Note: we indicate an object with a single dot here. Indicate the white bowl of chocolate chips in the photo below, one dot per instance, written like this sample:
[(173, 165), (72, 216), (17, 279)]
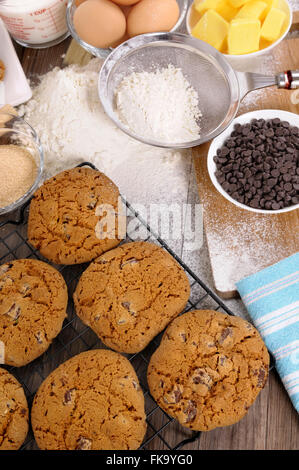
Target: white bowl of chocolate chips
[(254, 163)]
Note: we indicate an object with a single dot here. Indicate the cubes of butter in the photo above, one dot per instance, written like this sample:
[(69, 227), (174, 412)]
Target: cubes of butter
[(211, 28), (223, 7), (226, 10), (243, 36), (238, 3), (252, 10), (203, 6), (239, 26), (272, 25), (270, 4)]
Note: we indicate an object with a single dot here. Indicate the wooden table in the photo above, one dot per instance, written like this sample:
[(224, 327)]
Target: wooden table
[(272, 422)]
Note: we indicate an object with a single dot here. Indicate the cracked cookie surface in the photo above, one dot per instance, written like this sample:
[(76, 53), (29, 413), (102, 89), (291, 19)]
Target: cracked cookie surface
[(64, 221), (91, 402), (130, 294), (33, 301), (208, 369), (13, 412)]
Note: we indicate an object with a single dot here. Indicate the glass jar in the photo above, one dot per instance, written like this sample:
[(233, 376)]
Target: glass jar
[(17, 132), (35, 23)]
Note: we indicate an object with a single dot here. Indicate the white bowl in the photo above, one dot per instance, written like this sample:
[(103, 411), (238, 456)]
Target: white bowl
[(218, 142), (240, 60)]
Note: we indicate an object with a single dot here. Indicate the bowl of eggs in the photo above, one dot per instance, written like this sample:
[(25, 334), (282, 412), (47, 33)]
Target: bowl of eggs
[(240, 29), (101, 25)]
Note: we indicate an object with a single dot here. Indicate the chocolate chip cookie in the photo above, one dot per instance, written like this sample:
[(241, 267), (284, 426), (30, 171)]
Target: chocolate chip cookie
[(129, 295), (91, 402), (13, 412), (208, 369), (33, 301), (74, 216)]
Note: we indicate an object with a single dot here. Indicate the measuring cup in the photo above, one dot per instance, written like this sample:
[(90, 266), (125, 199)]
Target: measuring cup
[(35, 23), (220, 88)]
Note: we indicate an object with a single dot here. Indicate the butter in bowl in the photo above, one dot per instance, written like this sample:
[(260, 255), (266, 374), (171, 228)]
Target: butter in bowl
[(240, 28)]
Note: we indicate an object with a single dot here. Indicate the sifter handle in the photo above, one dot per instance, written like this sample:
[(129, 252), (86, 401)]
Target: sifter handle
[(253, 81), (288, 80)]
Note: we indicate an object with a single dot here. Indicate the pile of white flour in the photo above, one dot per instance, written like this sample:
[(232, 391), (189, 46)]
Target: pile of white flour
[(67, 115), (159, 105)]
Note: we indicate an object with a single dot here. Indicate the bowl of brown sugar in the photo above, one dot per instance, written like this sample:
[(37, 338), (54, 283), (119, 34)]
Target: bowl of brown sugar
[(21, 162)]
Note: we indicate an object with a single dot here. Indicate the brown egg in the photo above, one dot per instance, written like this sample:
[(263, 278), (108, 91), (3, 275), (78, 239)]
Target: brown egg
[(150, 16), (125, 2), (120, 41), (100, 23), (78, 2)]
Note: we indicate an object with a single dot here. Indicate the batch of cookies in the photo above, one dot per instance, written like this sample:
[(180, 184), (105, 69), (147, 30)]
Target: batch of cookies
[(206, 372)]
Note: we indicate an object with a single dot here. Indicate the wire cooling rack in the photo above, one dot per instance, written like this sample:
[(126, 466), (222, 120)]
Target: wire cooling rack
[(163, 432)]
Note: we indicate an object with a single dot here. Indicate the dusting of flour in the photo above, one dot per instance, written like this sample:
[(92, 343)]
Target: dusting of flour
[(159, 105), (67, 115)]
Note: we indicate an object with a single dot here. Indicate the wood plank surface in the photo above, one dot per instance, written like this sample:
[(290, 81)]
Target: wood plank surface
[(271, 423), (240, 242)]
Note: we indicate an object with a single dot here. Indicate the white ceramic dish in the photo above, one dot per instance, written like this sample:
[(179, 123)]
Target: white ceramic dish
[(16, 87), (217, 143), (239, 60)]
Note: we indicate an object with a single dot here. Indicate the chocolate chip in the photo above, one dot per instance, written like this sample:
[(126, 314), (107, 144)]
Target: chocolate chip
[(226, 332), (84, 443), (275, 173), (288, 187), (224, 151), (222, 360), (190, 411), (23, 412), (261, 377), (39, 337), (25, 289), (183, 336), (130, 261), (14, 312), (135, 384), (275, 206), (177, 395), (202, 377), (287, 178), (5, 268), (174, 396), (69, 396), (127, 306), (92, 204)]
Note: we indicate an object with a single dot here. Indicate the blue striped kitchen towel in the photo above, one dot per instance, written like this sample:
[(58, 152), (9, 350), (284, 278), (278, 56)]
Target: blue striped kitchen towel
[(271, 297)]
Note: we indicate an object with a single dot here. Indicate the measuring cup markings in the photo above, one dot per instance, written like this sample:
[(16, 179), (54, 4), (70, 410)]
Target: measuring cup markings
[(36, 25)]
